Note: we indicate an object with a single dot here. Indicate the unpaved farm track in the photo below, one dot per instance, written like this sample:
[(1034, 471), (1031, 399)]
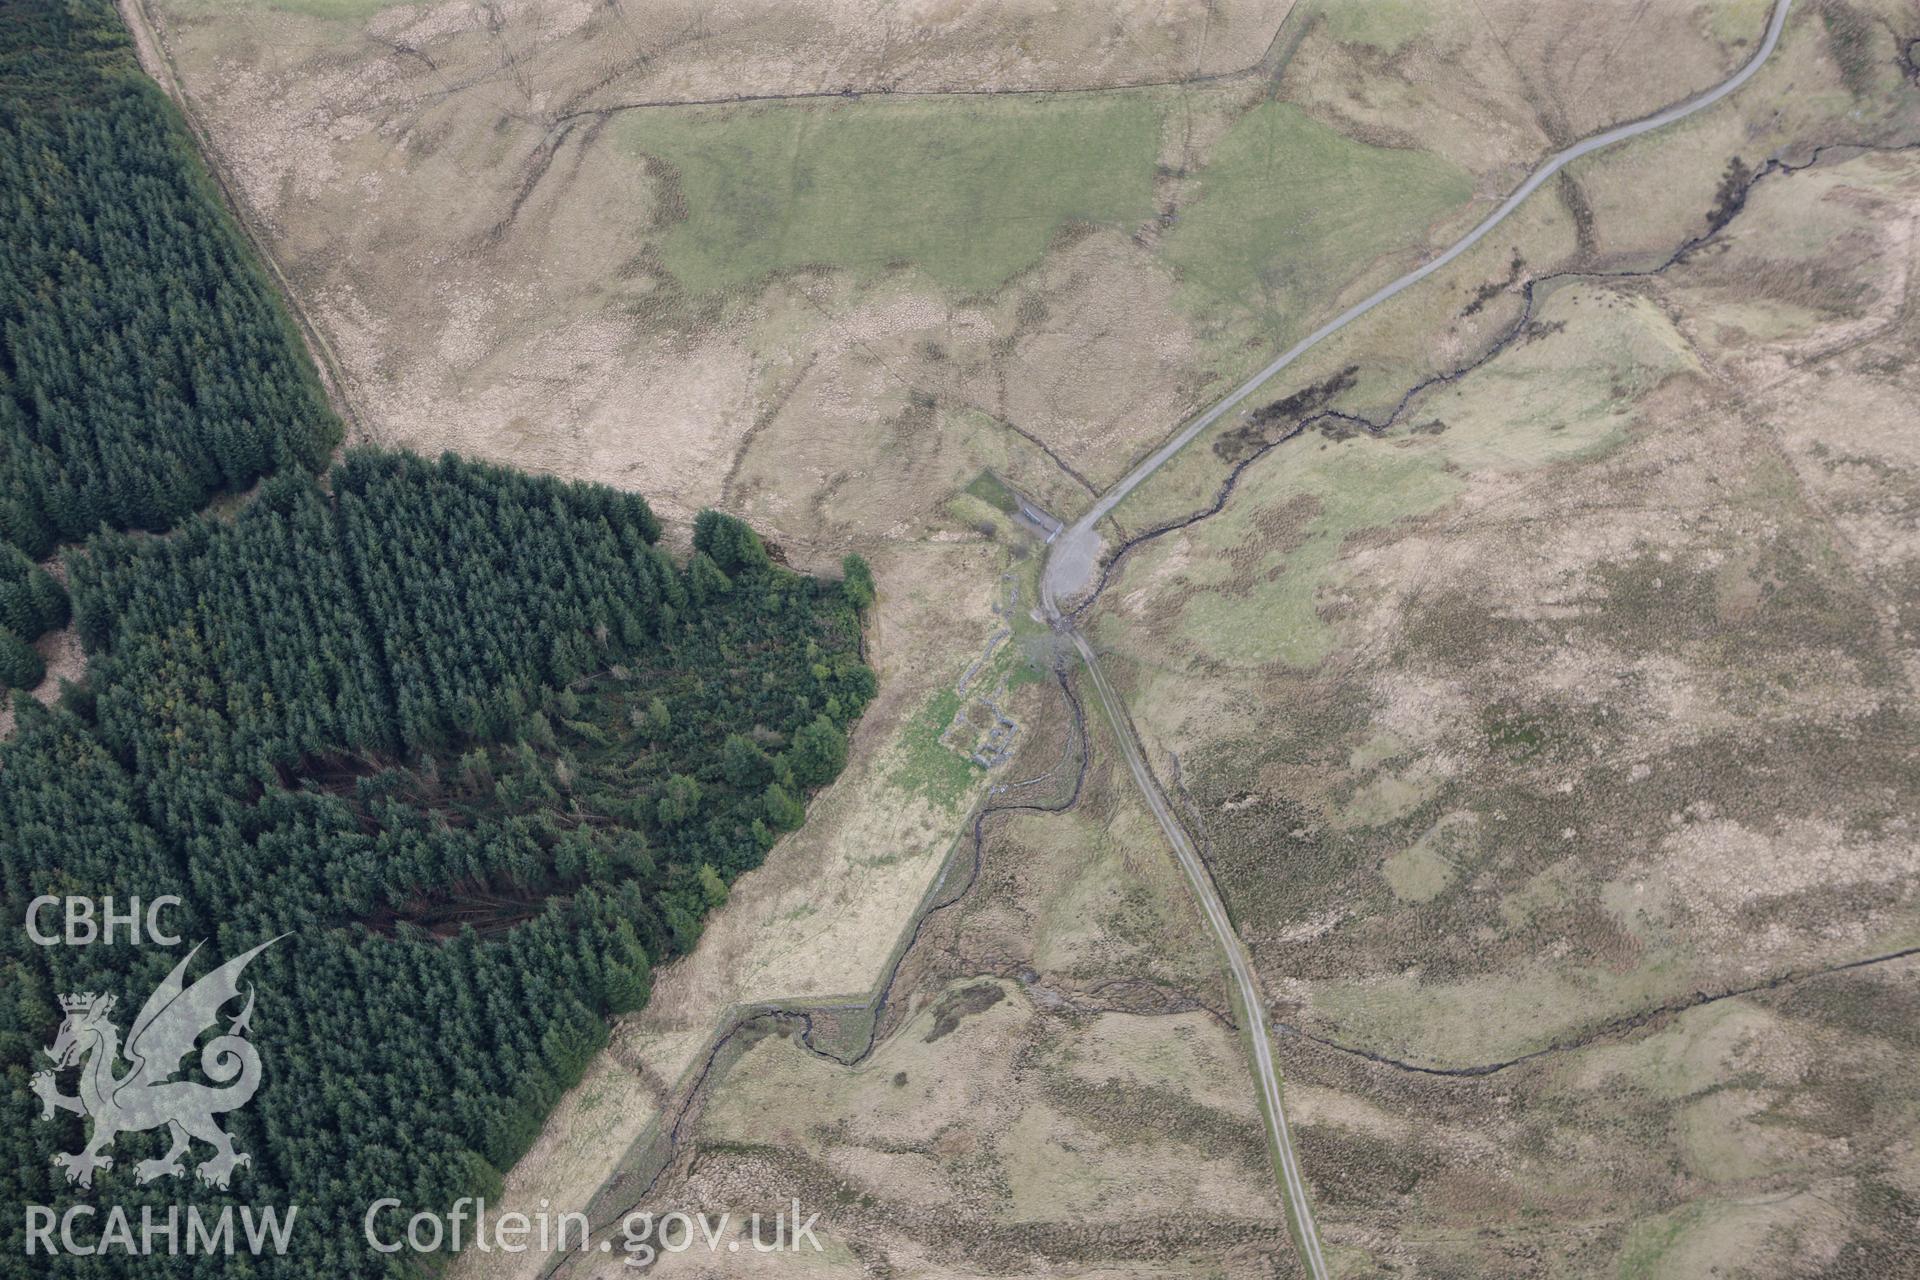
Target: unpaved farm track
[(1070, 566), (1515, 332), (1071, 563), (1240, 966)]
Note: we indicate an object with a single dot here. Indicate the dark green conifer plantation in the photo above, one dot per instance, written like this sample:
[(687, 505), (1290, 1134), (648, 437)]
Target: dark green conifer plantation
[(467, 740), (31, 604), (145, 364), (472, 742)]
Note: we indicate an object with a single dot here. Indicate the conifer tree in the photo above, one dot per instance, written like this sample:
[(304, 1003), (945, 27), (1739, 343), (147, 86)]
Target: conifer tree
[(856, 580), (819, 752), (20, 666)]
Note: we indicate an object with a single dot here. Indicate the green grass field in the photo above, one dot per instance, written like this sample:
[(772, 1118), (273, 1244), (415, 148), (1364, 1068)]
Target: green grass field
[(1290, 211), (1357, 487), (969, 192), (928, 766), (1566, 394), (1386, 25)]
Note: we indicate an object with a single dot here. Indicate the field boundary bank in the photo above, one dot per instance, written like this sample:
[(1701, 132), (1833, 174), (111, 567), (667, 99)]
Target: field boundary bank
[(1516, 331), (1612, 1027), (1078, 559), (1260, 66)]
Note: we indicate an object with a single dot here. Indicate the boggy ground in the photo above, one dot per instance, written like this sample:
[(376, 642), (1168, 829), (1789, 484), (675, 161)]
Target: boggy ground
[(1057, 1084), (511, 255), (515, 250), (1551, 746)]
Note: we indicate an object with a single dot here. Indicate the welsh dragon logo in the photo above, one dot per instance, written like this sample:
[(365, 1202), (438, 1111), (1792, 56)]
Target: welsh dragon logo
[(169, 1025)]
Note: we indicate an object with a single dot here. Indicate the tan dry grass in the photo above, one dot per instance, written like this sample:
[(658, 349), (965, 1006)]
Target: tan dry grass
[(482, 255), (1663, 679), (818, 918)]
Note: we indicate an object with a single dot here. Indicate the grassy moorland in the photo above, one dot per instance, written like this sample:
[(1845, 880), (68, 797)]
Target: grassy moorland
[(969, 193)]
